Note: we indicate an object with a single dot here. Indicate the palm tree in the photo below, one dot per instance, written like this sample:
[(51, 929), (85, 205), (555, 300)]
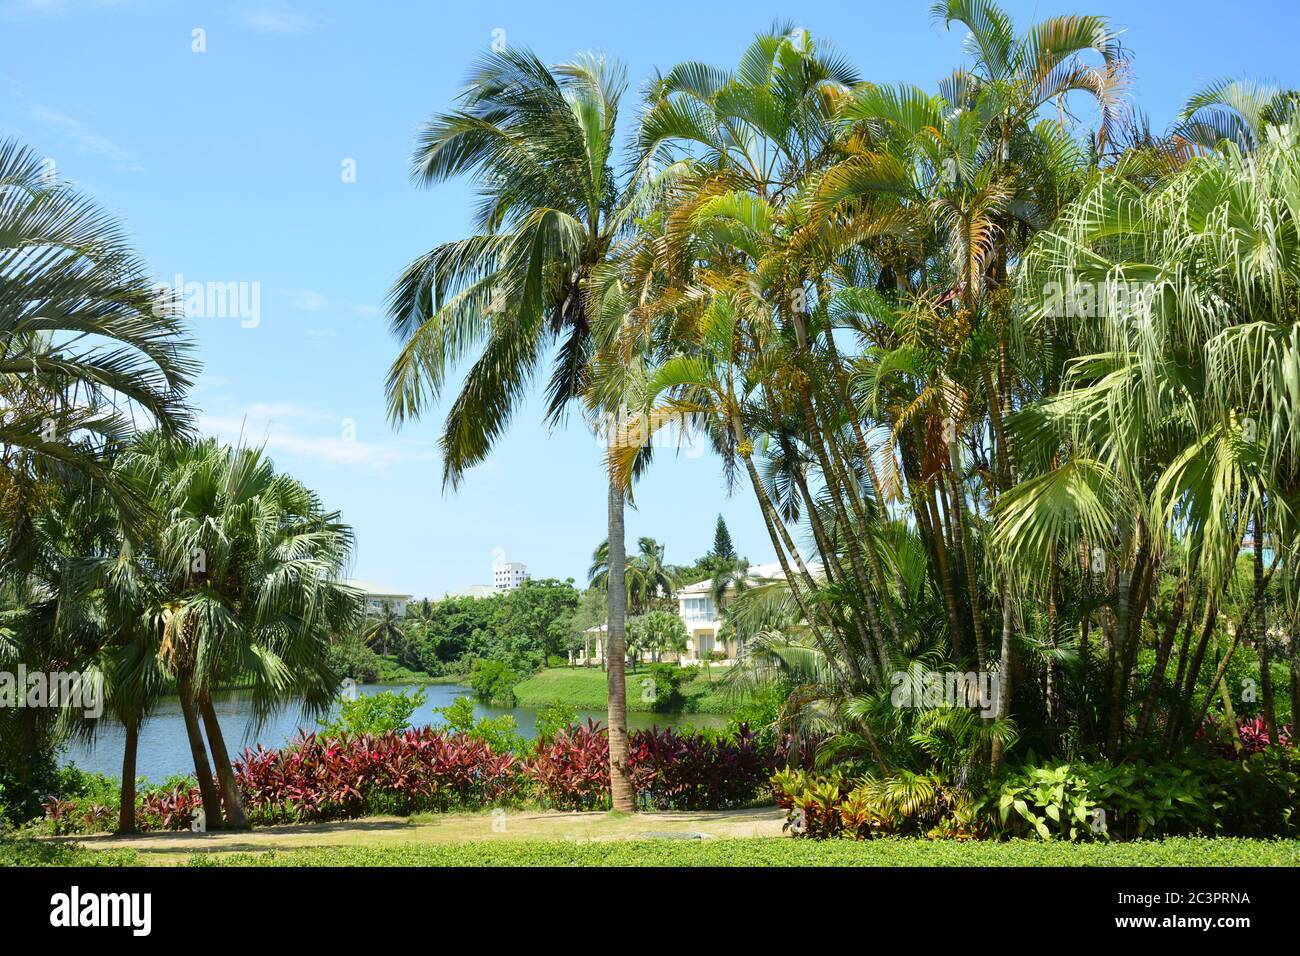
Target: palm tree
[(1236, 111), (658, 580), (382, 627), (1176, 410), (86, 345), (246, 566), (539, 143)]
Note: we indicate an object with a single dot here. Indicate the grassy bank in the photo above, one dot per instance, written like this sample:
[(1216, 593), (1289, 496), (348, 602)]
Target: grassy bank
[(721, 852), (583, 688)]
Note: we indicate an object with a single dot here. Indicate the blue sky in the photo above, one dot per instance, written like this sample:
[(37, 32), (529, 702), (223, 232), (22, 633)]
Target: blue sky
[(227, 166)]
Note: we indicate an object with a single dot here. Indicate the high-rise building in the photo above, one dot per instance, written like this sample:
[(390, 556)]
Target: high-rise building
[(508, 575)]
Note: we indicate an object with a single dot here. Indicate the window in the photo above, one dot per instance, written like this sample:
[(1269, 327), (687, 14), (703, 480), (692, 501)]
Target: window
[(698, 609)]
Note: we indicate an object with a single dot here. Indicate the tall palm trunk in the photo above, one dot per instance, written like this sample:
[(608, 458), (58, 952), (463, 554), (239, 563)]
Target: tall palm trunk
[(620, 774), (126, 813), (230, 800), (780, 543), (202, 769), (1294, 654), (1005, 664), (1162, 662), (1262, 637)]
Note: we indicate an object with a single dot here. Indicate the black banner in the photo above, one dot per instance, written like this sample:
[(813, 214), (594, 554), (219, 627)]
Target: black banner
[(141, 907)]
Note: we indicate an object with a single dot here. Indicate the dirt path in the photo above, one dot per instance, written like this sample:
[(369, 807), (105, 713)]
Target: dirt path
[(453, 828)]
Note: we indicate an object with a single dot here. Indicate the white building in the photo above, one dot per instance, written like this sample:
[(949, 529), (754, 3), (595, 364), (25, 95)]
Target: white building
[(377, 597), (703, 619), (508, 575)]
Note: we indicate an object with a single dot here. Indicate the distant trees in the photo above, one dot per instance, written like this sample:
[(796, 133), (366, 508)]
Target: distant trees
[(648, 579), (656, 633), (522, 628)]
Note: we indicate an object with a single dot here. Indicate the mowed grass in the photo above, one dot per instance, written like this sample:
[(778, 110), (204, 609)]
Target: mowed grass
[(584, 688), (761, 852)]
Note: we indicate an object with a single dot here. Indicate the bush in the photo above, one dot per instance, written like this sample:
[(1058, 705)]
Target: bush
[(552, 719), (376, 714), (352, 658), (572, 772), (27, 775), (1198, 794), (493, 682), (661, 687), (499, 733), (402, 773)]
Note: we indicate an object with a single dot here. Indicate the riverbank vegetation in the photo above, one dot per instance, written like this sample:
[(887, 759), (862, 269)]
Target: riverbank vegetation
[(363, 766), (1009, 391), (1009, 374)]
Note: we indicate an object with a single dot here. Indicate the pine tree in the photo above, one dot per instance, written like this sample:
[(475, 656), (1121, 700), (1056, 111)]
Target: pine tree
[(722, 546)]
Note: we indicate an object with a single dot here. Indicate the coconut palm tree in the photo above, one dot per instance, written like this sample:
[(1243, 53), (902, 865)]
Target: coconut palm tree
[(382, 627), (539, 143)]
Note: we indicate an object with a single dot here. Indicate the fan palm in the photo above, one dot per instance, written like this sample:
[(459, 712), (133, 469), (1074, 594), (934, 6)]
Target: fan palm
[(247, 565), (1179, 403)]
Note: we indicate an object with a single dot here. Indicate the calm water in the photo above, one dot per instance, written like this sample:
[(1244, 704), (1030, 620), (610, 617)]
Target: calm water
[(164, 750)]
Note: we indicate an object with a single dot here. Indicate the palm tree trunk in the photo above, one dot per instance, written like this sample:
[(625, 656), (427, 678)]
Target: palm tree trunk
[(780, 542), (1004, 668), (202, 769), (1186, 684), (234, 806), (927, 519), (1162, 662), (959, 533), (126, 812), (1295, 681), (1259, 623), (620, 774)]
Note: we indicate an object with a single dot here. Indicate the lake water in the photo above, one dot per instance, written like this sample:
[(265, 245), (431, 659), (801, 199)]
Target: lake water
[(164, 749)]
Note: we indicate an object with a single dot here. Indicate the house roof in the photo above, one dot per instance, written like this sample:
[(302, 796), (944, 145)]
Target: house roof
[(756, 572), (474, 591), (372, 590)]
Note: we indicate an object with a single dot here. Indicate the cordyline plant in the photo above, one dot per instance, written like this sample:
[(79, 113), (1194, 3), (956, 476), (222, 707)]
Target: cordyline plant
[(402, 772)]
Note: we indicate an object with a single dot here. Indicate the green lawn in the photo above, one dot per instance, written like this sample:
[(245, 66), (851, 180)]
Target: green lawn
[(751, 852), (583, 688), (789, 852)]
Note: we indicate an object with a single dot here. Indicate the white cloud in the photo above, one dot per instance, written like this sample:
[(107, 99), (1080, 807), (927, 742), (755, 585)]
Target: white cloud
[(286, 429), (281, 20), (307, 300), (78, 133)]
